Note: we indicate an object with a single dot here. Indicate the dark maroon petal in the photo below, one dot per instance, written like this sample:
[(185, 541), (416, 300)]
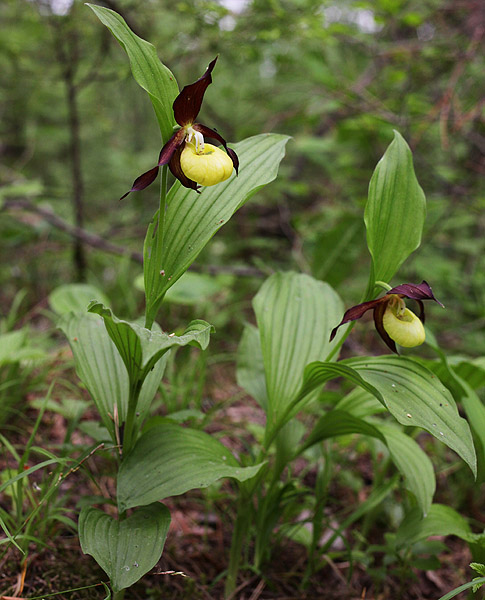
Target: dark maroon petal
[(419, 291), (187, 104), (176, 169), (421, 310), (379, 311), (207, 132), (143, 181), (355, 312), (173, 143)]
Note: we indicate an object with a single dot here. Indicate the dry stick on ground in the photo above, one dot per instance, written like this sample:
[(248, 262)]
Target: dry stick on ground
[(96, 241)]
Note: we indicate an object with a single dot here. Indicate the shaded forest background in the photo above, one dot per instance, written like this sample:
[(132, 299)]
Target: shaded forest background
[(339, 77)]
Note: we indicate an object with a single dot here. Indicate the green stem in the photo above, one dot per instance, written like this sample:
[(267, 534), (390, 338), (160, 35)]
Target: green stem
[(157, 249), (241, 527), (118, 595), (385, 286), (130, 432)]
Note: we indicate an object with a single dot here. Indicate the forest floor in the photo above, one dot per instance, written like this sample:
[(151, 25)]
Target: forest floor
[(197, 548)]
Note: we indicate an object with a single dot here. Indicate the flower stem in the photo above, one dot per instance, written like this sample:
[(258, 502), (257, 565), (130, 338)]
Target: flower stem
[(239, 533), (385, 286), (152, 260), (130, 432)]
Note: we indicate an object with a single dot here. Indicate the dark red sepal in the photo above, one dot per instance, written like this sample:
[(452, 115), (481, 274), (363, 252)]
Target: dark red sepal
[(176, 169), (207, 132), (355, 312), (379, 311), (419, 291), (173, 143), (143, 181), (187, 104)]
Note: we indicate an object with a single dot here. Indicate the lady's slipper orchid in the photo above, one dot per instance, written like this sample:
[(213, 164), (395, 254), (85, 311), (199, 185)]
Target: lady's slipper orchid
[(190, 159), (394, 322)]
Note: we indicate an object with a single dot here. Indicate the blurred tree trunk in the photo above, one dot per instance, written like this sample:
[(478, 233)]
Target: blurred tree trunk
[(67, 50)]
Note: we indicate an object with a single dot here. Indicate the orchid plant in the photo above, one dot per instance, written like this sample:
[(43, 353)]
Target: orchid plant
[(121, 362), (283, 362), (286, 360)]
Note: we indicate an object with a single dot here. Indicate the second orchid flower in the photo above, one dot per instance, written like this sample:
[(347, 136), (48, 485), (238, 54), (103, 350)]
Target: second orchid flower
[(394, 322)]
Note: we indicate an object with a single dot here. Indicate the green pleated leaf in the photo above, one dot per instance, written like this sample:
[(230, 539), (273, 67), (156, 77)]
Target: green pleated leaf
[(149, 72), (100, 367), (414, 396), (128, 549), (441, 520), (410, 460), (74, 297), (141, 348), (169, 460), (411, 393), (192, 219), (250, 367), (395, 211), (295, 315)]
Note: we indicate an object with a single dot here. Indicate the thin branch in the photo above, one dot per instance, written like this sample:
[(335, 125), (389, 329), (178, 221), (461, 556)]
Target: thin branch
[(96, 241), (74, 231)]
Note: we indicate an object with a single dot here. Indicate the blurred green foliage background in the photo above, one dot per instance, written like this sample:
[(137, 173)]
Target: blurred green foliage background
[(339, 76)]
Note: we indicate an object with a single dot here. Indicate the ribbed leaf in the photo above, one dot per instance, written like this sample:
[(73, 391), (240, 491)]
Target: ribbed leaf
[(395, 211), (411, 393), (414, 396), (128, 549), (192, 219), (295, 314), (250, 367), (151, 74), (168, 460), (101, 369), (142, 348)]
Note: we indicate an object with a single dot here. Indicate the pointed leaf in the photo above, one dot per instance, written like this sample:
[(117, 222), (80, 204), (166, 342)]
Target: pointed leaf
[(169, 460), (128, 549), (295, 314), (411, 393), (141, 348), (414, 396), (101, 369), (395, 210), (192, 219), (151, 74)]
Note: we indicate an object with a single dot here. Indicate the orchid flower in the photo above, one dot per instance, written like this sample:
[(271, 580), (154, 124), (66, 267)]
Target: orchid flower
[(191, 160), (394, 322)]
